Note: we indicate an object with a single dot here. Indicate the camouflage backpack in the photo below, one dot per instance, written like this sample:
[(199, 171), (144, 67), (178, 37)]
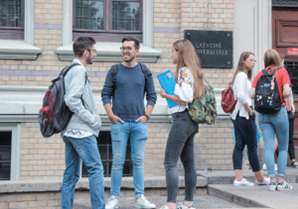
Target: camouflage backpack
[(203, 110)]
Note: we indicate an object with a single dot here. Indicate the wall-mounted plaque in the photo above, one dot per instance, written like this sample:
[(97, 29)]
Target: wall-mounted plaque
[(214, 48)]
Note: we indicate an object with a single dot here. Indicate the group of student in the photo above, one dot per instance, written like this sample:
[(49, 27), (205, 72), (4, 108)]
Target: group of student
[(123, 100), (278, 126)]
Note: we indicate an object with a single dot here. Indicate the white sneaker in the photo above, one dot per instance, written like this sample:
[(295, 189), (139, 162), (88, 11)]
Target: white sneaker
[(266, 181), (181, 206), (272, 186), (275, 167), (243, 182), (283, 186), (142, 202), (112, 203), (164, 207)]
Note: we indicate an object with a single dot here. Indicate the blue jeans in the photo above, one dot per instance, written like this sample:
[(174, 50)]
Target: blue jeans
[(271, 125), (120, 133), (85, 149)]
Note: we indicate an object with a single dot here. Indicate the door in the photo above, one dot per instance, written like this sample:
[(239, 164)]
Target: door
[(285, 41)]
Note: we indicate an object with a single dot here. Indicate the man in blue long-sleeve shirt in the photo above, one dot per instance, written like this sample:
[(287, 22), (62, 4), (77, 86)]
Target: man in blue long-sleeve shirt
[(128, 120)]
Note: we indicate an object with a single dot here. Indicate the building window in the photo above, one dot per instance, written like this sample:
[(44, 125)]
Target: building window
[(107, 20), (12, 19), (104, 144), (5, 155)]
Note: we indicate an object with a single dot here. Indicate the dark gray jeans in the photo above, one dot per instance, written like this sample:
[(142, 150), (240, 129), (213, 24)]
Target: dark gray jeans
[(181, 144)]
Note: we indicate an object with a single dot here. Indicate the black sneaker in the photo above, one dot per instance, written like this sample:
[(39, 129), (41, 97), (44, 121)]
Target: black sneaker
[(294, 164)]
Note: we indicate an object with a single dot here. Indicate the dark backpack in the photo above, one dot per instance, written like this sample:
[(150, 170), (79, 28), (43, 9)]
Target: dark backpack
[(115, 71), (267, 98), (54, 114)]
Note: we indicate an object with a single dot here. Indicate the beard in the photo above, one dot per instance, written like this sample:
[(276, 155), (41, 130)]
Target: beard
[(129, 59), (89, 60)]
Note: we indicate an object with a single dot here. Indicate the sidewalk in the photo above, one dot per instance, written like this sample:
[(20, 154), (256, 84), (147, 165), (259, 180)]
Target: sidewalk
[(200, 201), (220, 184), (257, 196), (222, 194)]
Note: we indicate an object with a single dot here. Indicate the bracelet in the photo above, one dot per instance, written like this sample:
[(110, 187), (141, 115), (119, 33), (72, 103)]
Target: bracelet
[(147, 116)]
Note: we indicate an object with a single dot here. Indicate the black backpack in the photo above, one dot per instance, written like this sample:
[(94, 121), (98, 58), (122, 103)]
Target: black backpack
[(267, 98), (115, 71), (54, 114)]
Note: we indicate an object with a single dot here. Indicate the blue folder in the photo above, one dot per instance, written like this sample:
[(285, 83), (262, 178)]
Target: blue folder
[(168, 83)]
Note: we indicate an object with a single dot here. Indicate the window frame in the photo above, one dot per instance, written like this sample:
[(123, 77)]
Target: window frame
[(107, 34), (14, 33), (15, 130), (109, 159)]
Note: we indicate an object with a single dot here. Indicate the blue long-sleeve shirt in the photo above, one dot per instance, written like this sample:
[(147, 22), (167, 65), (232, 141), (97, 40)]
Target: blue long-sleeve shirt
[(128, 101)]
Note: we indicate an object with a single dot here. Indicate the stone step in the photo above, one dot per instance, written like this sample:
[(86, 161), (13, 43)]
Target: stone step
[(228, 176), (153, 186), (257, 196)]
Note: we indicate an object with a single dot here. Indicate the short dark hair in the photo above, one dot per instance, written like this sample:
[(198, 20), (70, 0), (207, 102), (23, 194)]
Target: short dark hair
[(137, 43), (81, 44)]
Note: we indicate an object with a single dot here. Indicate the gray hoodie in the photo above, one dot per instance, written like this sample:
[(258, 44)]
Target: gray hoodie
[(85, 117)]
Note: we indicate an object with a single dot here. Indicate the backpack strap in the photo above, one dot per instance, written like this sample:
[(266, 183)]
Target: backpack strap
[(272, 72), (67, 68), (114, 71), (146, 75), (276, 69)]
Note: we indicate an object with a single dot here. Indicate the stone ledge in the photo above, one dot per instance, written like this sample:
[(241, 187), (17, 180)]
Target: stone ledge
[(54, 185), (18, 50)]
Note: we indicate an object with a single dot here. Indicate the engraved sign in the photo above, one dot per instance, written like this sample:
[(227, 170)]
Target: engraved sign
[(214, 48)]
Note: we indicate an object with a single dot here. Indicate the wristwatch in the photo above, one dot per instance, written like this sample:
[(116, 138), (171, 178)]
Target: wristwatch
[(147, 116)]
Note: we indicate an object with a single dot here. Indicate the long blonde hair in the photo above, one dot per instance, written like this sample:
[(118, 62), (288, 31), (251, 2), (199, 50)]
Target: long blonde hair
[(187, 57), (241, 67)]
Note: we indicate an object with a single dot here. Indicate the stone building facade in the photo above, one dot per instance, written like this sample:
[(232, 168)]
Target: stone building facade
[(28, 65)]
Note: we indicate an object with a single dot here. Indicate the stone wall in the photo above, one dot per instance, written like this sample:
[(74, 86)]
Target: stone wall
[(171, 18), (43, 158), (40, 157), (30, 200)]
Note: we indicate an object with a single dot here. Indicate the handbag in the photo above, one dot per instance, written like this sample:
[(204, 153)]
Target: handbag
[(228, 101)]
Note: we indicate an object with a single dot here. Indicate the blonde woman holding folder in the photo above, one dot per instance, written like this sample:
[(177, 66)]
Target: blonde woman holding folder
[(181, 137)]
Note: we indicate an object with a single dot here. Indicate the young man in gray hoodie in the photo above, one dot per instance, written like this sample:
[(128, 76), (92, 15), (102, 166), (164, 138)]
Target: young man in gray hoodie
[(84, 125)]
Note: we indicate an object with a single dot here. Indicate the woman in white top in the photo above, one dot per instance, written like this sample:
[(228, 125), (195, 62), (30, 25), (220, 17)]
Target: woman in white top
[(243, 119), (181, 137)]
